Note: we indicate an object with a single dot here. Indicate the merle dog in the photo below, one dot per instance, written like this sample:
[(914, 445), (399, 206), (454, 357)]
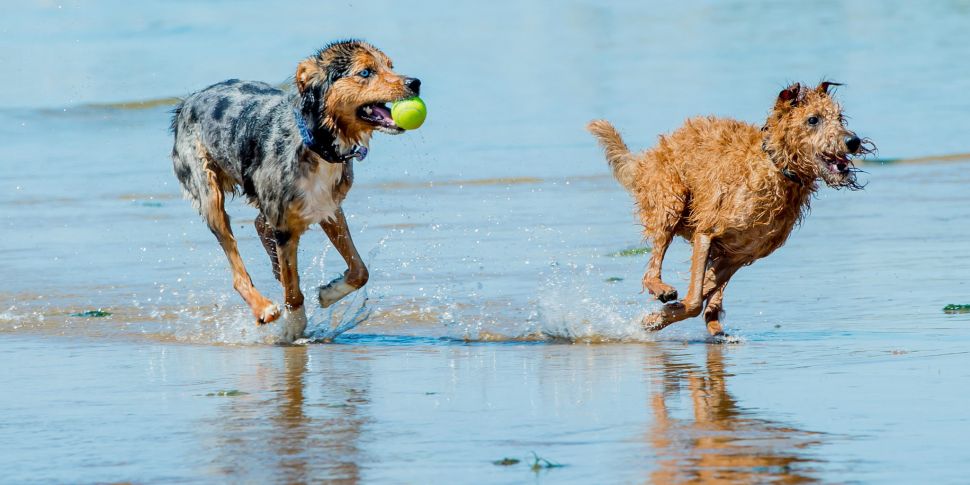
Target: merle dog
[(292, 156)]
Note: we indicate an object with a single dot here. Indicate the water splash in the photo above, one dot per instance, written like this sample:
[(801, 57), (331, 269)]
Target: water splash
[(574, 305), (224, 322), (340, 319), (347, 314), (9, 317)]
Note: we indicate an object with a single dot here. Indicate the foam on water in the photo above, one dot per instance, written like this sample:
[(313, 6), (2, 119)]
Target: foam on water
[(9, 317)]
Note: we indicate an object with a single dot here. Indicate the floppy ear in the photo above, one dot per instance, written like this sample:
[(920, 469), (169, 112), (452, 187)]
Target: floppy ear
[(311, 83), (305, 73), (823, 87)]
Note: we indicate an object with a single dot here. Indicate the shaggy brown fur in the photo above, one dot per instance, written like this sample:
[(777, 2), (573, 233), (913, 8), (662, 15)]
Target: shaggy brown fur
[(732, 189)]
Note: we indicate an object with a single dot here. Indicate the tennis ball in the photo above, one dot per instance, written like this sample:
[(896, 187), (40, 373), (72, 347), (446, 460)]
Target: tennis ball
[(409, 113)]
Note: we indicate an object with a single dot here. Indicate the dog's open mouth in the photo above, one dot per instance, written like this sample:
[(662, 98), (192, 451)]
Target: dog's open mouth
[(379, 115), (836, 164)]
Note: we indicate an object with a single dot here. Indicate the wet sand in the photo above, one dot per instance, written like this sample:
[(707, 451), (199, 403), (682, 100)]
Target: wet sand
[(502, 310)]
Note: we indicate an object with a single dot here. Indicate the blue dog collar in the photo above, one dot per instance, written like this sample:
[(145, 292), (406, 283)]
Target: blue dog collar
[(304, 131), (331, 153)]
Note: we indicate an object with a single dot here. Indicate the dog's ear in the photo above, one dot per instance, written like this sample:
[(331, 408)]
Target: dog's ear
[(789, 97), (305, 72), (823, 87), (311, 83)]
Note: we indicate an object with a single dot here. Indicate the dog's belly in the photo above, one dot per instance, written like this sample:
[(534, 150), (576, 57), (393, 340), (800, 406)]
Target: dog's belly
[(753, 243), (319, 199)]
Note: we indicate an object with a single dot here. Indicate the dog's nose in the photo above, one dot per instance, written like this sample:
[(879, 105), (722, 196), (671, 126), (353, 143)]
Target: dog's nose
[(853, 143), (414, 84)]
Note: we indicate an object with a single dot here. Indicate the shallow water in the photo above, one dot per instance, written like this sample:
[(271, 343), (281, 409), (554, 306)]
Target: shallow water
[(500, 323)]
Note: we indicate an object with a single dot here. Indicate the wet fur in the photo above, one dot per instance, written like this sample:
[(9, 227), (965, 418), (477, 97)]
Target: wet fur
[(243, 137), (733, 189)]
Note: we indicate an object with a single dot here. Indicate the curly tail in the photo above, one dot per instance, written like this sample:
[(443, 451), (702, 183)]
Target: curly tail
[(618, 155)]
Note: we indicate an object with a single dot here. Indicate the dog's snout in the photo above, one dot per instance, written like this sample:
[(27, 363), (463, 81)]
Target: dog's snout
[(852, 142), (414, 84)]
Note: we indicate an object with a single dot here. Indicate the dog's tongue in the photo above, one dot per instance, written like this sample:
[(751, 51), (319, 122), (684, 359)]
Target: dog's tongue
[(379, 114), (381, 111)]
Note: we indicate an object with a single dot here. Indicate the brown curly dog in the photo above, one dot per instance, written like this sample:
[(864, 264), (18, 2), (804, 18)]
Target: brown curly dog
[(733, 190)]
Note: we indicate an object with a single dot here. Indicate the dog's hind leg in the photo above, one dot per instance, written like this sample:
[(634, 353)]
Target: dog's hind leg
[(281, 248), (356, 275), (214, 211), (286, 245), (268, 239), (661, 229), (692, 304), (652, 281)]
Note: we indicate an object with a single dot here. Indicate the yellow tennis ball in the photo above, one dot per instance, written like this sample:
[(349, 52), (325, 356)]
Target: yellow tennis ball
[(409, 113)]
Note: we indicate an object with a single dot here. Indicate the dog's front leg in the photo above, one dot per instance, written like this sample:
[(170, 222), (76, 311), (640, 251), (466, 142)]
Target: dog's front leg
[(356, 275), (692, 304)]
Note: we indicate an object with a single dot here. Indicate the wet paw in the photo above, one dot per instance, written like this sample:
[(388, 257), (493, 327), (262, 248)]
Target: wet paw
[(715, 329), (652, 322), (723, 338), (675, 304), (334, 291), (294, 324), (269, 313), (668, 295)]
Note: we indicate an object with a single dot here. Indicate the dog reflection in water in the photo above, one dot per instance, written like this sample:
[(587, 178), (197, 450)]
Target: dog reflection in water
[(719, 442)]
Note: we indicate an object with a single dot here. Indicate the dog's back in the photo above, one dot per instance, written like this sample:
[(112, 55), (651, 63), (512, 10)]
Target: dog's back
[(710, 153), (243, 131), (700, 145), (707, 161)]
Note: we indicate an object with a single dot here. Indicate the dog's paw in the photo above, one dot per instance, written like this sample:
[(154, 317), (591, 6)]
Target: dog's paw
[(335, 290), (294, 324), (268, 314), (714, 328), (723, 338), (653, 322), (660, 290), (667, 296)]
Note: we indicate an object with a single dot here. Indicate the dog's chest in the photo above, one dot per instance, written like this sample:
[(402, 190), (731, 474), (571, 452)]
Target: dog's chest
[(321, 192)]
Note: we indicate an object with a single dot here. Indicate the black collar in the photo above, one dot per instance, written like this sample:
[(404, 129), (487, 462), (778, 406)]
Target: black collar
[(792, 176), (788, 174), (326, 146)]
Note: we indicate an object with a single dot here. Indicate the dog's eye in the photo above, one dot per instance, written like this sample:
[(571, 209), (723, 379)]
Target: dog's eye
[(364, 74), (813, 120)]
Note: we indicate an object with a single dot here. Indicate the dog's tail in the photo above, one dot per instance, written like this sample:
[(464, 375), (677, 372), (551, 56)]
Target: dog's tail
[(618, 155)]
